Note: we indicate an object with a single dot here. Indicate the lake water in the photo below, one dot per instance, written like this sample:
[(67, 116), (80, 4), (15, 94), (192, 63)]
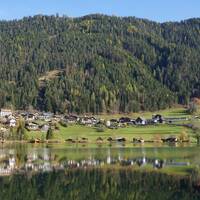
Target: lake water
[(62, 171)]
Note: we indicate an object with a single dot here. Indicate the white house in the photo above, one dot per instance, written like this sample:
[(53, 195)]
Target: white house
[(12, 122), (5, 112), (108, 123), (12, 163), (45, 128), (140, 121)]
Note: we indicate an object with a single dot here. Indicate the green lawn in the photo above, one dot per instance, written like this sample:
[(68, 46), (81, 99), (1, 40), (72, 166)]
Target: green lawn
[(172, 112), (146, 132)]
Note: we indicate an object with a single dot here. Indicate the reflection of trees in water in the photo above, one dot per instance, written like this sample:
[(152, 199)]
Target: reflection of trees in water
[(98, 184)]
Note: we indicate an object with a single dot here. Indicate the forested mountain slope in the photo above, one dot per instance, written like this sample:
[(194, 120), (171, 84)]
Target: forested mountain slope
[(98, 63)]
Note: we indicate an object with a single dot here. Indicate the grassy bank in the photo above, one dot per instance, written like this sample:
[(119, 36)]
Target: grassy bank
[(150, 132), (147, 133)]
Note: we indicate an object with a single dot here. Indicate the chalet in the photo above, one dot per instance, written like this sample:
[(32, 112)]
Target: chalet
[(88, 121), (30, 117), (12, 122), (99, 139), (44, 128), (132, 122), (70, 140), (46, 116), (36, 140), (57, 118), (5, 112), (71, 118), (9, 121), (112, 124), (114, 121), (83, 140), (140, 121), (157, 119), (124, 120), (140, 140), (171, 139), (32, 126), (120, 139)]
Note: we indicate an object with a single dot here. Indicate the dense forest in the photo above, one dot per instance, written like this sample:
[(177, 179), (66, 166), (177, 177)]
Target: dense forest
[(98, 63)]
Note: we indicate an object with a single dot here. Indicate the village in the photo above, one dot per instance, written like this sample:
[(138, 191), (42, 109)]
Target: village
[(35, 121)]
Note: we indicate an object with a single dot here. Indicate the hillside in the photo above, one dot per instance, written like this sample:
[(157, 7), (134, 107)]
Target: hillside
[(98, 63)]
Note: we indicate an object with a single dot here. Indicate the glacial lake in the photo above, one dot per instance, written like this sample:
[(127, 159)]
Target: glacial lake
[(76, 171)]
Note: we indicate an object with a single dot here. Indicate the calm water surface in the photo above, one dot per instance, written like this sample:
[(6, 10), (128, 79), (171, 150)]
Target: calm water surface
[(61, 171)]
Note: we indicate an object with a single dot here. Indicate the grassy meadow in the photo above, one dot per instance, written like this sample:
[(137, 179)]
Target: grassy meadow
[(150, 132), (178, 111)]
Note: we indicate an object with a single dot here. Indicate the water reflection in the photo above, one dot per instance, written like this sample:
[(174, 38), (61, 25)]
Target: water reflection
[(26, 158)]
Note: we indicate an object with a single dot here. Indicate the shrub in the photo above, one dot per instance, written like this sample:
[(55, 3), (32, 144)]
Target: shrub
[(49, 134), (64, 124), (192, 108), (100, 129), (184, 136)]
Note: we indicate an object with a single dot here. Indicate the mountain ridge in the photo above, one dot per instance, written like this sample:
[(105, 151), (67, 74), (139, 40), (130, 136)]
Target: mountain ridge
[(100, 15)]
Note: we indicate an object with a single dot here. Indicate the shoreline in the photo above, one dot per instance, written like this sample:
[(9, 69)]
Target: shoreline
[(154, 143)]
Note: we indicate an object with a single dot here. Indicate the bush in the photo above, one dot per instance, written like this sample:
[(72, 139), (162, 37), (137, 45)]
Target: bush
[(100, 129), (20, 130), (56, 126), (49, 134), (192, 109), (64, 124), (184, 136)]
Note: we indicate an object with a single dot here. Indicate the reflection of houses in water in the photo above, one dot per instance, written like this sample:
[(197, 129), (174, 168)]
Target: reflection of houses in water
[(175, 163), (38, 161), (32, 156), (2, 155), (141, 161), (158, 164), (46, 154), (41, 161), (112, 161), (8, 165), (108, 160), (46, 166), (12, 163)]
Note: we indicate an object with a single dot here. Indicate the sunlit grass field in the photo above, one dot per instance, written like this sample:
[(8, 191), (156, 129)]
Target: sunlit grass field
[(171, 112), (145, 132)]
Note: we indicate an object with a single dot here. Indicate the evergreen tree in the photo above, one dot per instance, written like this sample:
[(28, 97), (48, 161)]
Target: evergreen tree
[(49, 134)]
